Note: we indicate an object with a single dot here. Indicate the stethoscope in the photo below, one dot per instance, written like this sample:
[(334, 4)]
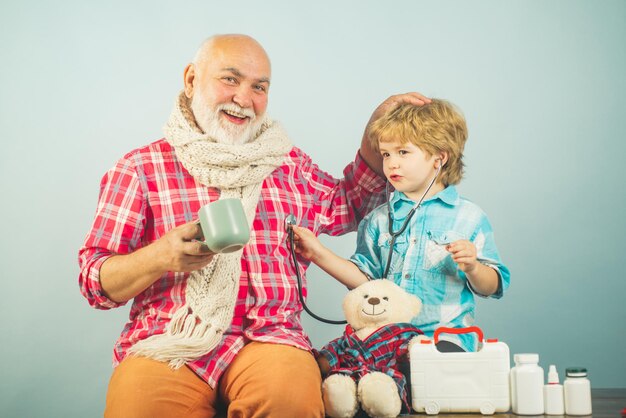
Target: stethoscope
[(405, 224), (290, 221)]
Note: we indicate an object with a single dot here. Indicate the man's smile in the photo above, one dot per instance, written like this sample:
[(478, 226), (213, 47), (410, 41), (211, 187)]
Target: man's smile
[(235, 117)]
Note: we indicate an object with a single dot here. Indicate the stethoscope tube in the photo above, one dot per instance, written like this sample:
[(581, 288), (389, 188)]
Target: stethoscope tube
[(289, 222), (405, 224)]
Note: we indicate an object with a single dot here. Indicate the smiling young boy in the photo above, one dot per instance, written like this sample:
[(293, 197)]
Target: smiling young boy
[(429, 240)]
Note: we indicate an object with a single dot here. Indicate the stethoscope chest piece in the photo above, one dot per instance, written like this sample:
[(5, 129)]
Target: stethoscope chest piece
[(290, 221)]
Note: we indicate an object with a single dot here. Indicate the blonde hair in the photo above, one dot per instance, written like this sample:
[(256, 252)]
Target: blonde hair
[(434, 128)]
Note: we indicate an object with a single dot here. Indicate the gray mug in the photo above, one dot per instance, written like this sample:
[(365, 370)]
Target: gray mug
[(224, 225)]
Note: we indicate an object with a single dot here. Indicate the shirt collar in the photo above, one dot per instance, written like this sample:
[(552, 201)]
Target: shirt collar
[(449, 196), (402, 205)]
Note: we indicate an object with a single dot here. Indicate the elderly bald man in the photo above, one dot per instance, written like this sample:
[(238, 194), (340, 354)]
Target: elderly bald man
[(209, 331)]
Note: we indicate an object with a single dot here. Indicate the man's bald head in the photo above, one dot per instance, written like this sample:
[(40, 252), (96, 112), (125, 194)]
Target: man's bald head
[(226, 42)]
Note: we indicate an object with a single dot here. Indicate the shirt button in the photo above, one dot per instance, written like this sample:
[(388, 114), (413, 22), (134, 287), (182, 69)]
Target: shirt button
[(414, 240), (406, 276)]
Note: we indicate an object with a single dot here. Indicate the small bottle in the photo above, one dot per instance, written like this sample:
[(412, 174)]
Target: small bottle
[(527, 385), (577, 389), (553, 394)]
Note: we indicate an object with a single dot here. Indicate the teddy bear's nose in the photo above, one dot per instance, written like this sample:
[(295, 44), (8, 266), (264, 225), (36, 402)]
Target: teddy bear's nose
[(373, 301)]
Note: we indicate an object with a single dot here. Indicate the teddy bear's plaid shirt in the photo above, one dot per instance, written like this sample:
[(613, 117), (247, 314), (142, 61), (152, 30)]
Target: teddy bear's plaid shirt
[(381, 351), (148, 192)]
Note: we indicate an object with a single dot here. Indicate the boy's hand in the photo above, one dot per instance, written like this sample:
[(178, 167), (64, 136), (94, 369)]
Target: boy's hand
[(306, 243), (464, 254)]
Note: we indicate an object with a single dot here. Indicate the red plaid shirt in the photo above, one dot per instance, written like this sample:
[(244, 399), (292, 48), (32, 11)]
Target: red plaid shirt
[(148, 192)]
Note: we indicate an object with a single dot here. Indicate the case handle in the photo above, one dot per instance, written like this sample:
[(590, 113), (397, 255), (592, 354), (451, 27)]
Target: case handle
[(465, 330)]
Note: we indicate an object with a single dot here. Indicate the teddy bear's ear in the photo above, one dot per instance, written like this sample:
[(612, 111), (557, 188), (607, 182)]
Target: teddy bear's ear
[(350, 307)]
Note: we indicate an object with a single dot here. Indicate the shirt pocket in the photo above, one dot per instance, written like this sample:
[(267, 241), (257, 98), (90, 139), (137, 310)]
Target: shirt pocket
[(400, 248), (436, 257)]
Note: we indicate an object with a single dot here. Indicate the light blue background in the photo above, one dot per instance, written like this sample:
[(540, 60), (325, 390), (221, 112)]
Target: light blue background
[(542, 84)]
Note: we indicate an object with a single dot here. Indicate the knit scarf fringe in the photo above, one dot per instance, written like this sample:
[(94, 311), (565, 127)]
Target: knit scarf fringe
[(197, 327)]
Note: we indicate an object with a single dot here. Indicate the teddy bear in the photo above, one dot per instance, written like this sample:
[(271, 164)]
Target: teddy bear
[(360, 368)]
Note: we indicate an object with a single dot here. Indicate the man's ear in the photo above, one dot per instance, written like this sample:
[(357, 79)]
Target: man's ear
[(189, 76)]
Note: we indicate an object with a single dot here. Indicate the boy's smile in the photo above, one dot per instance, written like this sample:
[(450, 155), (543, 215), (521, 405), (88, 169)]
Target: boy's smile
[(409, 169)]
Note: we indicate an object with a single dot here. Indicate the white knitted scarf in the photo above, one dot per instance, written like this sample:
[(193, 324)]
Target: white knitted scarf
[(211, 293)]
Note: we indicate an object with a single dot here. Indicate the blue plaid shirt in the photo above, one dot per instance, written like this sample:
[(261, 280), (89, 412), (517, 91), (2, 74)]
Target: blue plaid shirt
[(420, 263)]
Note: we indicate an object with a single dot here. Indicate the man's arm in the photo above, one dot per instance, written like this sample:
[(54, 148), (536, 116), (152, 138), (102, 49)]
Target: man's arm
[(114, 266), (123, 277), (371, 157)]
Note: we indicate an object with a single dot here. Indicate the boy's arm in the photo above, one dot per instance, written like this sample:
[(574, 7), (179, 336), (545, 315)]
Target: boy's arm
[(341, 269), (310, 247), (484, 279)]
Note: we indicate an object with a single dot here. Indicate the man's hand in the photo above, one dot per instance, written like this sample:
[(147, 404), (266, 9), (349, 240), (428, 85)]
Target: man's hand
[(125, 276), (179, 251), (392, 102), (372, 158)]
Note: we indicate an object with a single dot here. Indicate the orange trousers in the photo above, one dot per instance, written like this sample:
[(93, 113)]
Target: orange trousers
[(264, 380)]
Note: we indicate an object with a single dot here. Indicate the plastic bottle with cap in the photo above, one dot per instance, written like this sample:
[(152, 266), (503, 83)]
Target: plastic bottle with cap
[(577, 390), (527, 385), (553, 394)]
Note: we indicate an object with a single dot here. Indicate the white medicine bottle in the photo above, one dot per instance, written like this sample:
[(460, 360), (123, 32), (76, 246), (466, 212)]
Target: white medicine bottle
[(527, 385), (553, 394), (577, 389)]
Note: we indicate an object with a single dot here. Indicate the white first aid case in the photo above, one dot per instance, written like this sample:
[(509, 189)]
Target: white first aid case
[(460, 382)]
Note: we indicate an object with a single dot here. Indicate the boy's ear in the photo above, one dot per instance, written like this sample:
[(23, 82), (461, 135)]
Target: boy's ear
[(442, 158)]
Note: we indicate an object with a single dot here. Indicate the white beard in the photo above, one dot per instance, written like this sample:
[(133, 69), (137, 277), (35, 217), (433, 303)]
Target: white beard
[(209, 120)]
